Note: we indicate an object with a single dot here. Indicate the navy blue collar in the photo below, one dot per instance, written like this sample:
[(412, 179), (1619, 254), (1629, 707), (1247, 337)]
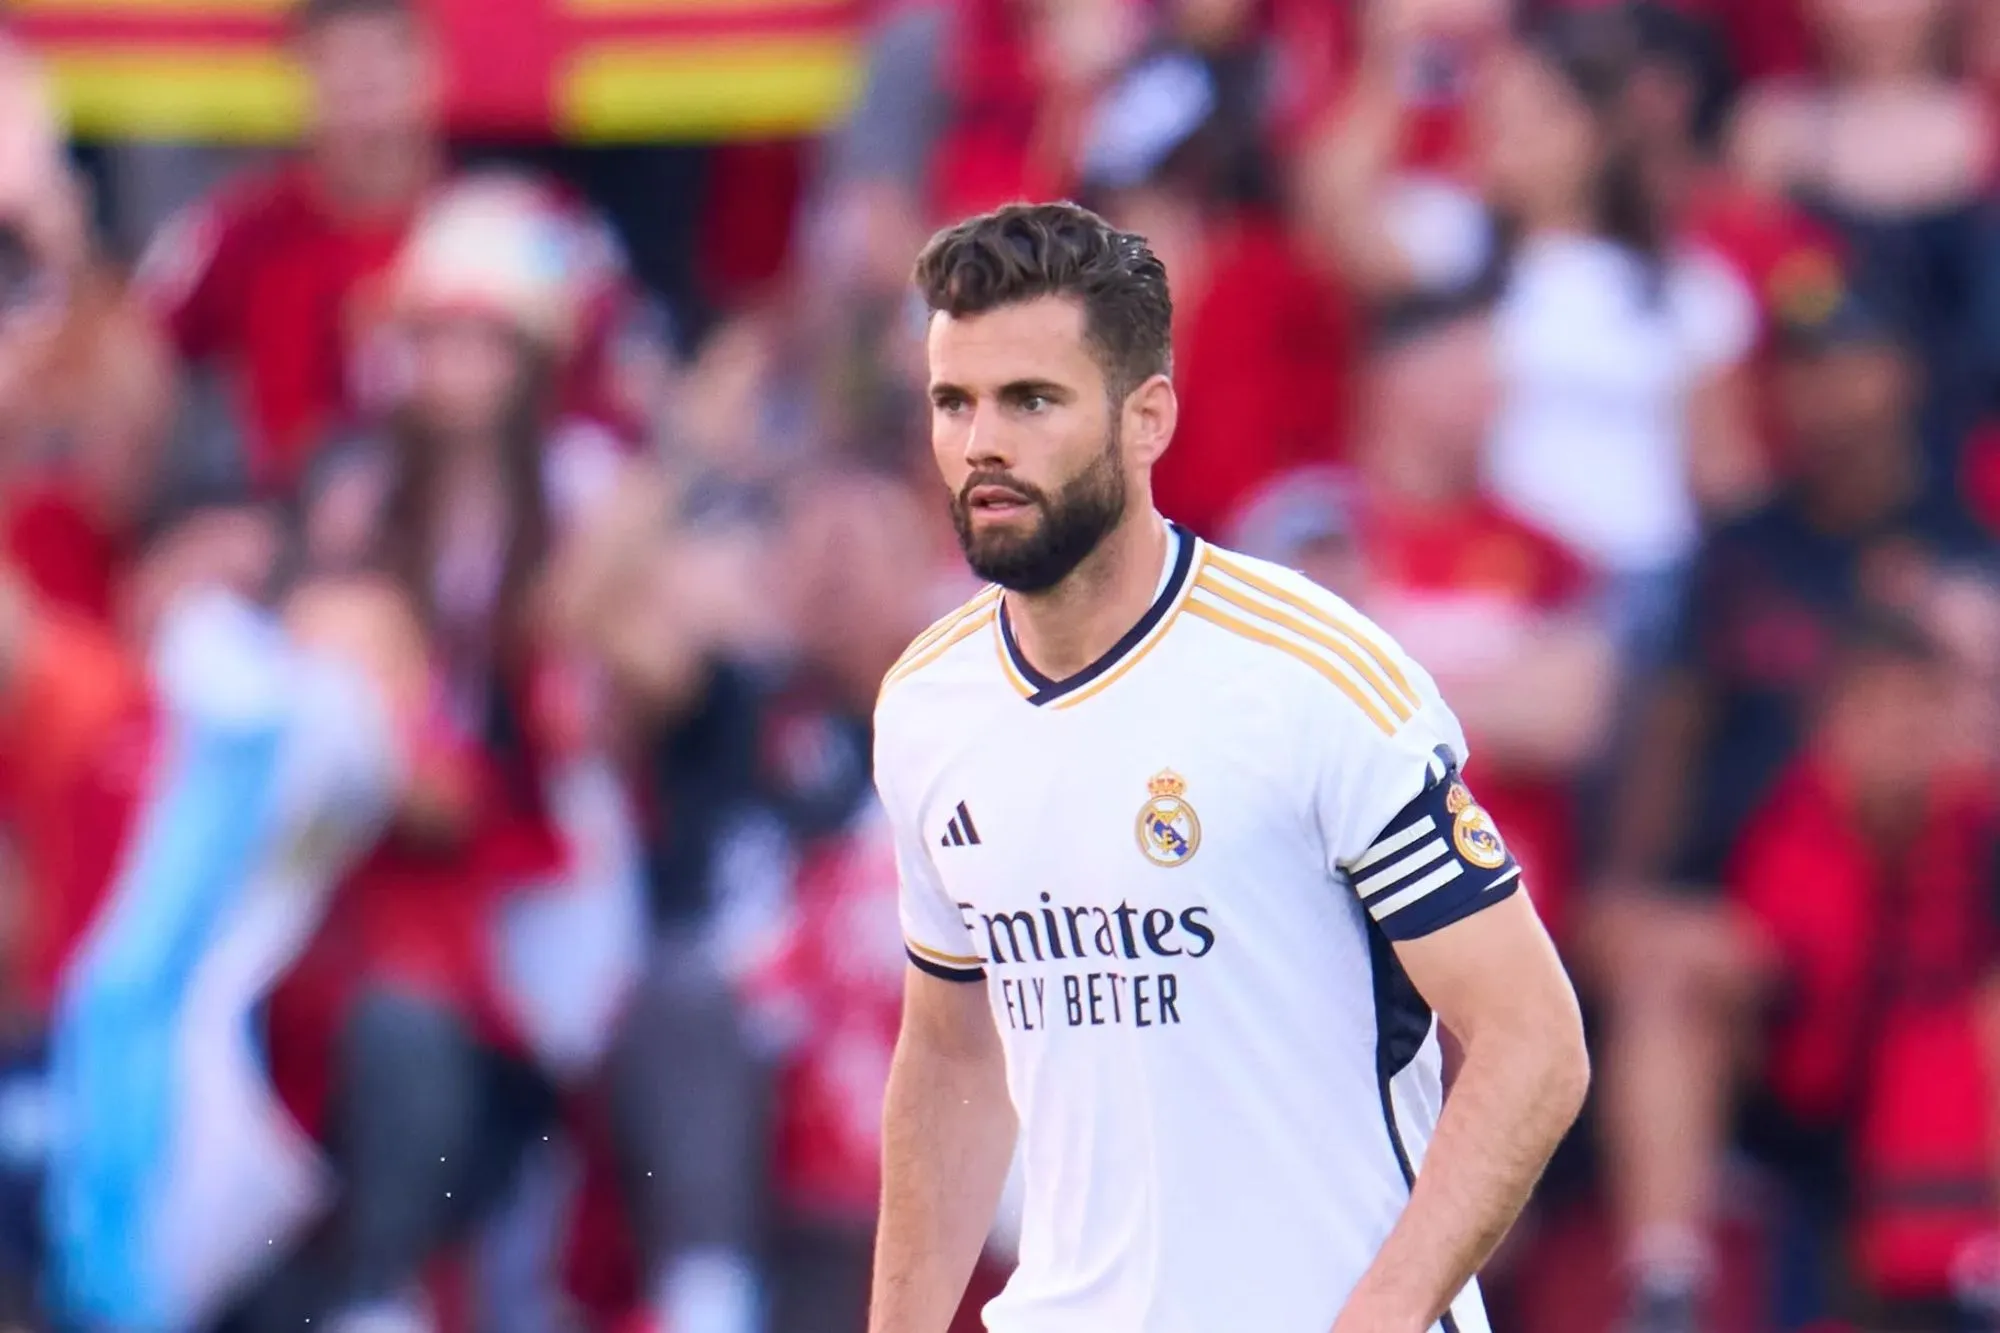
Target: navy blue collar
[(1047, 690)]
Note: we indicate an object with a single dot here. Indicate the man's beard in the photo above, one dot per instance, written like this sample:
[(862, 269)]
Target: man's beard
[(1072, 523)]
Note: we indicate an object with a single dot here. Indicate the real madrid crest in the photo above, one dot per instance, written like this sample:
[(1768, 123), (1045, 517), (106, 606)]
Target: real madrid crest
[(1472, 831), (1169, 832)]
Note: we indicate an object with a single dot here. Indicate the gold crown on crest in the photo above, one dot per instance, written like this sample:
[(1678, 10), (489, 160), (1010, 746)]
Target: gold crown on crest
[(1167, 783)]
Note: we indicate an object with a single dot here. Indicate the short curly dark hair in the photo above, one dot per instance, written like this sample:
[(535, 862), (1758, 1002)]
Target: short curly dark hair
[(1026, 251), (309, 16)]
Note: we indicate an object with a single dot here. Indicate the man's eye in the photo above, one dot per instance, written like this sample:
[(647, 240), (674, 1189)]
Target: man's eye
[(1035, 402)]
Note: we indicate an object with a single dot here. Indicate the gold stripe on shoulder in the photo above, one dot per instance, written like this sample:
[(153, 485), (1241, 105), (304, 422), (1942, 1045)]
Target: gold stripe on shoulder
[(961, 630), (944, 624), (1312, 632), (1385, 663), (1361, 700)]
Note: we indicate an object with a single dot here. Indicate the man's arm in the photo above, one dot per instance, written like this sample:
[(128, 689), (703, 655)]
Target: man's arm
[(1497, 986), (1650, 808), (188, 282), (1546, 707), (947, 1138)]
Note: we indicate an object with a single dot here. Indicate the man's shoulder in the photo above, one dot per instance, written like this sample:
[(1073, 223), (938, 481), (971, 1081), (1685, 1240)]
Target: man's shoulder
[(256, 203), (271, 196), (1300, 636), (951, 651)]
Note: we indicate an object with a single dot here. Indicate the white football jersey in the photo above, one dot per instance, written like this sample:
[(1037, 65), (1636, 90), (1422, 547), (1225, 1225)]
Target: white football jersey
[(1178, 874)]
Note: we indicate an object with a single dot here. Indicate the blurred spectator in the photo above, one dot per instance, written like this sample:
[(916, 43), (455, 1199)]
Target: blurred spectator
[(756, 775), (841, 996), (263, 278), (1501, 614), (1763, 614), (823, 980), (1304, 519), (272, 760), (278, 279), (1897, 153), (686, 1089), (82, 398), (1677, 100), (1866, 882), (1888, 133), (476, 961), (877, 162), (1023, 74), (1620, 407)]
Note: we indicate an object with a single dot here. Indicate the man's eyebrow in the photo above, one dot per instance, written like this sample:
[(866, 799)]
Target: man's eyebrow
[(1012, 391), (1019, 389)]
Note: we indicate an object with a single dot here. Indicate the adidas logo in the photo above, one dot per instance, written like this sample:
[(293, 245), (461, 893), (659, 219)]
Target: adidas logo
[(960, 832)]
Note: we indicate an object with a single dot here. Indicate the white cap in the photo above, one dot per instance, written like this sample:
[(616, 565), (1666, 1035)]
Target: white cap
[(496, 246)]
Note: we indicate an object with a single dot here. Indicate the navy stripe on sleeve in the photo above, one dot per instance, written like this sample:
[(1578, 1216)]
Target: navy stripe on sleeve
[(940, 971)]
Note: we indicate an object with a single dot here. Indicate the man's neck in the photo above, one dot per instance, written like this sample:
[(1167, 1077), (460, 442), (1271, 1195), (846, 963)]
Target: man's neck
[(1858, 501), (381, 182), (1065, 629), (1673, 175)]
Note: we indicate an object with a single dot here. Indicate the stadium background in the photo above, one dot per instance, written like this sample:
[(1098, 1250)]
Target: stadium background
[(1737, 715)]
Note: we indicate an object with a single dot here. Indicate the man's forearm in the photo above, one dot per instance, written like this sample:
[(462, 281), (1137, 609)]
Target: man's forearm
[(1515, 1096), (1547, 707), (947, 1138)]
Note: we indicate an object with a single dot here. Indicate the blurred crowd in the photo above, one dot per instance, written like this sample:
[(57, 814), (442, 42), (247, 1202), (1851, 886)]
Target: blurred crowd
[(445, 588)]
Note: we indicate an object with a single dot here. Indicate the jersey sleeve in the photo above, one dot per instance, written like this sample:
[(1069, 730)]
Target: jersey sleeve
[(1401, 826), (934, 934)]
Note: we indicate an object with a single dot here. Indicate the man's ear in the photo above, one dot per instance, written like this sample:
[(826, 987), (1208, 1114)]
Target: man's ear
[(1150, 413)]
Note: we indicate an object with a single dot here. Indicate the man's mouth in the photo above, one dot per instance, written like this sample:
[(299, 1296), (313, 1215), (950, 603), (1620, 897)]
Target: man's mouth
[(996, 501)]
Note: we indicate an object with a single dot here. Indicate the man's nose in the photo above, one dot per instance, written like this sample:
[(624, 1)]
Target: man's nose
[(986, 443)]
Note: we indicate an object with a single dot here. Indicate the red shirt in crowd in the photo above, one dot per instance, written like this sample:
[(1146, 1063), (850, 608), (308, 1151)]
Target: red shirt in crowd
[(1262, 359), (986, 155), (70, 557), (1456, 586), (1782, 254), (842, 1000), (76, 733), (270, 277), (1882, 956), (264, 276), (1766, 38)]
